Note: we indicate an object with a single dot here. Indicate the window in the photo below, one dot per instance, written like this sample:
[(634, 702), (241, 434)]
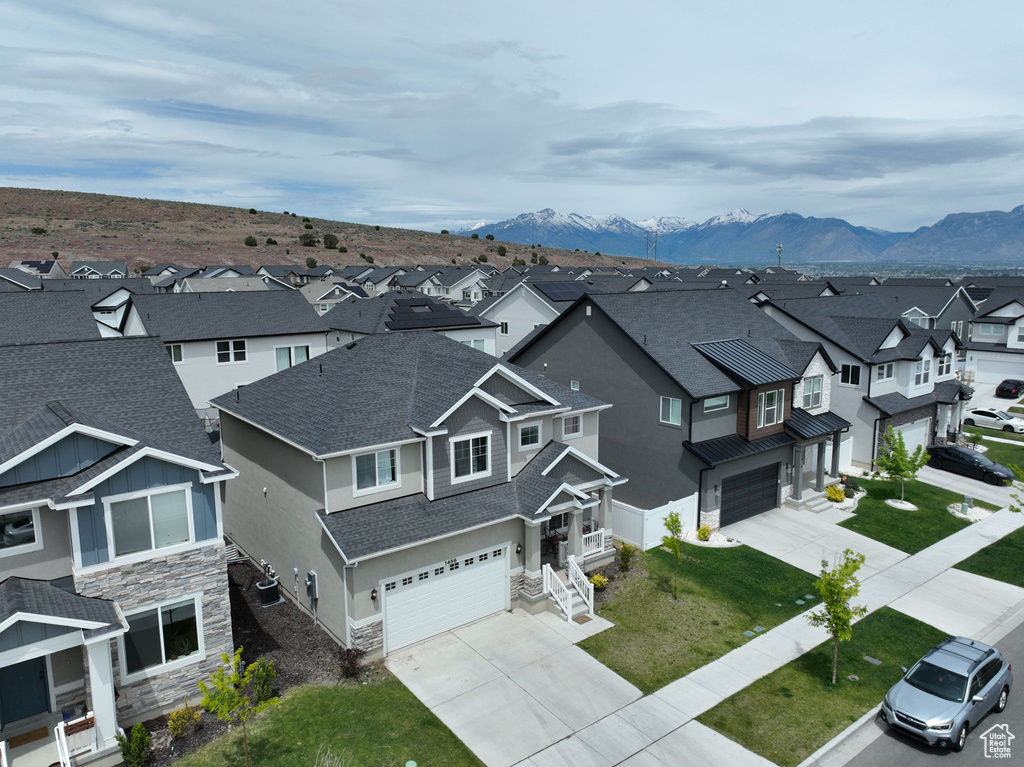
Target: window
[(990, 330), (174, 350), (712, 404), (376, 470), (769, 408), (922, 372), (850, 375), (558, 521), (812, 392), (945, 365), (471, 457), (1020, 334), (19, 532), (572, 426), (290, 355), (884, 372), (230, 351), (529, 436), (476, 344), (162, 635), (149, 522), (324, 308), (671, 411), (574, 384), (503, 329)]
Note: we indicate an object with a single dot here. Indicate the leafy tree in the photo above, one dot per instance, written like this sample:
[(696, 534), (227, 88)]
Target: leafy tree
[(271, 241), (489, 236), (674, 543), (307, 226), (38, 230), (483, 258), (502, 250), (543, 260), (376, 228), (837, 587), (305, 220), (473, 236), (444, 231), (311, 263), (228, 696), (896, 461), (307, 239), (251, 241), (518, 261), (252, 210), (342, 249), (331, 241)]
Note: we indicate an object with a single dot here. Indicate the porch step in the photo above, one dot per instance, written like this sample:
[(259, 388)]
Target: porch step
[(815, 504)]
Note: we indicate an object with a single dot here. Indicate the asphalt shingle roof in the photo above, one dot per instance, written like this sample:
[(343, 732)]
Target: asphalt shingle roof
[(399, 310), (24, 595), (33, 317)]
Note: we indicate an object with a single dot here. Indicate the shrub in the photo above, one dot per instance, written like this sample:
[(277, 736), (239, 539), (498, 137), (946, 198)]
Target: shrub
[(271, 241), (483, 258), (851, 483), (703, 533), (518, 261), (287, 250), (252, 210), (626, 555), (502, 250), (489, 236), (543, 260), (134, 746), (286, 213), (311, 263), (376, 228), (453, 260), (342, 249), (307, 226), (599, 581), (849, 492), (307, 239), (475, 260), (183, 721), (55, 254), (305, 220), (444, 231), (835, 493), (330, 241), (251, 241), (38, 230), (350, 662), (474, 236), (294, 216), (263, 676), (597, 253)]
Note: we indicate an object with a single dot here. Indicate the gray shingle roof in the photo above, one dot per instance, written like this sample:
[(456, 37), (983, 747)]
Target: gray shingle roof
[(23, 595), (21, 278), (33, 317), (399, 310), (372, 391), (102, 267), (199, 316)]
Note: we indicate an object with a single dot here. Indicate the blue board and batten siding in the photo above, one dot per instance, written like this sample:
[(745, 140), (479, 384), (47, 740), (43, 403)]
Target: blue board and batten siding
[(69, 456), (145, 474)]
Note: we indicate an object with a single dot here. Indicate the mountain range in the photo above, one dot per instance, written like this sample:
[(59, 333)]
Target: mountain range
[(740, 238)]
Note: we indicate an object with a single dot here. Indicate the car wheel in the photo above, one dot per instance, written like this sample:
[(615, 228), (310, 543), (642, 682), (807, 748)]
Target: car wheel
[(1007, 428), (968, 422), (935, 463), (992, 479), (1001, 703), (961, 738)]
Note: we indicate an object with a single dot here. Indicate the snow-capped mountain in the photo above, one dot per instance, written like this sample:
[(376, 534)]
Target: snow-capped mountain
[(666, 224)]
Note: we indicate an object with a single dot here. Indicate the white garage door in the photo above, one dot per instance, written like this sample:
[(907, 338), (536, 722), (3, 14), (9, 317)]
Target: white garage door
[(915, 433), (444, 596), (991, 370)]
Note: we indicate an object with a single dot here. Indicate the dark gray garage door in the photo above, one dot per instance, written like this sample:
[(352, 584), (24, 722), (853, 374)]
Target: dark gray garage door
[(750, 493)]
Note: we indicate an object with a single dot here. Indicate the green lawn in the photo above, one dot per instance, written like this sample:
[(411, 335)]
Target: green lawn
[(977, 432), (1000, 560), (908, 531), (374, 724), (791, 713), (1005, 454), (722, 593)]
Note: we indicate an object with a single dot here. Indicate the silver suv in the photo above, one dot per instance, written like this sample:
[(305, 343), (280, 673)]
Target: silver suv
[(946, 692)]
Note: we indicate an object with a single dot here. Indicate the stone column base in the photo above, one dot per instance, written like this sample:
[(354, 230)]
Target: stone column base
[(711, 518)]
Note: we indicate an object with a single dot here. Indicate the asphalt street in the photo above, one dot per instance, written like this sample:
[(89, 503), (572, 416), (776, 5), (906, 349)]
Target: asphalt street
[(893, 748)]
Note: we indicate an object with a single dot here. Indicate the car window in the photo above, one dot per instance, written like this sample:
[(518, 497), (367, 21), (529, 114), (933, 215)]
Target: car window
[(989, 670), (1004, 415), (937, 681)]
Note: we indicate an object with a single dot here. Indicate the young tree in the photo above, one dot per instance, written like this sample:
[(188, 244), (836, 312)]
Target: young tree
[(330, 241), (896, 461), (674, 543), (837, 587), (230, 695)]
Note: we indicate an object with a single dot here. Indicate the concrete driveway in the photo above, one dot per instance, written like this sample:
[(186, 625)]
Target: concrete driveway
[(513, 684), (997, 494)]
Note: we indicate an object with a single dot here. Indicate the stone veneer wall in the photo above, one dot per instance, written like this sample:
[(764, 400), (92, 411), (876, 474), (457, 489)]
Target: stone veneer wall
[(516, 585), (369, 637), (140, 584), (711, 518)]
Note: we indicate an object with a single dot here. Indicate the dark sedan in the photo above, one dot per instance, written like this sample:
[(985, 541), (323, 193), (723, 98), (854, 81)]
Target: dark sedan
[(1011, 387), (970, 463)]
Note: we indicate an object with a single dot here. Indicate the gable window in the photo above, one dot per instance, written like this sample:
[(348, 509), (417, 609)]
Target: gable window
[(503, 329), (471, 457), (812, 392), (850, 375), (286, 356), (945, 365), (572, 426), (161, 635), (922, 372), (377, 470), (324, 308), (148, 522), (769, 408), (711, 404), (671, 411), (529, 436), (574, 384), (174, 350), (884, 372), (19, 532), (230, 351)]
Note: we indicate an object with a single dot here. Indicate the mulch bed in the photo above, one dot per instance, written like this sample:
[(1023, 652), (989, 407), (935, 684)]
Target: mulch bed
[(302, 654)]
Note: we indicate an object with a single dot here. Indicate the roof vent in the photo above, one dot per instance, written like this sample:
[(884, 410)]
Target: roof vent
[(351, 345)]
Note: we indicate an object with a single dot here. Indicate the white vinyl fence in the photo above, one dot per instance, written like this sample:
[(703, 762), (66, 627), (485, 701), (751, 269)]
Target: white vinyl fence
[(644, 528)]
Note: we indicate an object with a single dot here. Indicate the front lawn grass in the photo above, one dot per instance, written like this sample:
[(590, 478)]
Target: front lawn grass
[(1000, 560), (980, 433), (791, 713), (722, 593), (908, 531), (380, 723)]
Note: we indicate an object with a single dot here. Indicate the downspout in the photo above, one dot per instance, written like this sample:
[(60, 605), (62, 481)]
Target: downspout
[(874, 426)]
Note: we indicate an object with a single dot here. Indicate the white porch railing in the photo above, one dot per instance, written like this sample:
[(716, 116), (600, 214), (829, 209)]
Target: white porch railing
[(558, 591), (593, 543), (74, 737), (579, 581), (4, 761)]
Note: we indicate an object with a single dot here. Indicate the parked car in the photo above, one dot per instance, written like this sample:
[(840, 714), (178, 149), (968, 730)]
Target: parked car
[(1011, 387), (994, 419), (949, 691), (970, 463)]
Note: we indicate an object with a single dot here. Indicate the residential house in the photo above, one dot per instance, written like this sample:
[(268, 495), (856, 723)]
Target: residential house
[(415, 485), (324, 295), (995, 349), (49, 269), (19, 280), (98, 270), (113, 594)]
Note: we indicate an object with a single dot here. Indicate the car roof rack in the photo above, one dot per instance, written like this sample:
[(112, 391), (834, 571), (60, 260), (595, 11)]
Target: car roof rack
[(961, 642)]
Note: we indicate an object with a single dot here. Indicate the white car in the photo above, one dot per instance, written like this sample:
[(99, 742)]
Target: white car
[(994, 419)]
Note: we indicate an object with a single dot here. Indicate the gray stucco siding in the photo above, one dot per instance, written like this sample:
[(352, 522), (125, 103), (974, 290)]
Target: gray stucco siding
[(340, 479), (717, 423), (54, 559), (275, 456), (711, 499), (472, 418), (69, 456)]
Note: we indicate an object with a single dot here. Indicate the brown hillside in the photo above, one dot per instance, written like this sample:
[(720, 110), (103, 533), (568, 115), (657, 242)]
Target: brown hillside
[(85, 227)]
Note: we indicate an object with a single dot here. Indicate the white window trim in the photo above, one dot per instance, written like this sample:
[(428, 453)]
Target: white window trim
[(922, 372), (780, 412), (711, 409), (181, 353), (519, 436), (196, 657), (356, 492), (469, 438), (571, 434), (139, 556), (661, 408), (291, 354), (860, 375), (503, 328), (885, 371), (231, 351), (804, 393), (947, 361), (574, 384), (37, 528)]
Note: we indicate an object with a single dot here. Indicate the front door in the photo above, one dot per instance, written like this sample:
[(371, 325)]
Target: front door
[(23, 690)]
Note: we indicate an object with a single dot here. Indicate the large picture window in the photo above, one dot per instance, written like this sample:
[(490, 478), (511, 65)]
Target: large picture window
[(286, 356), (812, 392), (471, 457), (149, 522), (162, 635), (769, 408), (377, 470)]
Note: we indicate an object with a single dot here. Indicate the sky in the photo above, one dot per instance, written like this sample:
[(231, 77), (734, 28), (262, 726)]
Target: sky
[(443, 115)]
